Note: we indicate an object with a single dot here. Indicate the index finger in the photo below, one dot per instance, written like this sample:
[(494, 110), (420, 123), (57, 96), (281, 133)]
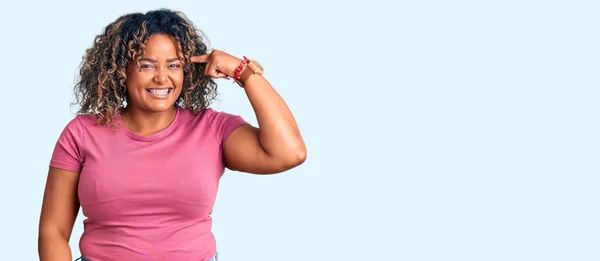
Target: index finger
[(200, 59)]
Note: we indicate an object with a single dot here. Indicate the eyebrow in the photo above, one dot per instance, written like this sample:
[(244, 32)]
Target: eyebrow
[(153, 60)]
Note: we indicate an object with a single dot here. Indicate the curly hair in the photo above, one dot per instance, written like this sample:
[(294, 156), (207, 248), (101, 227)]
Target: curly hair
[(100, 89)]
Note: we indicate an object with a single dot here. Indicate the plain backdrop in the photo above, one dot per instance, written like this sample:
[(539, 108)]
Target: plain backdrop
[(436, 130)]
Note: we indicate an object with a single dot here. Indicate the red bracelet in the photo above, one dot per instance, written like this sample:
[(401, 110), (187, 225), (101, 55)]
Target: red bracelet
[(240, 68)]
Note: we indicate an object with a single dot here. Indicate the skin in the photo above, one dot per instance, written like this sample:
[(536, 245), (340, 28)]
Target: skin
[(159, 68), (273, 147)]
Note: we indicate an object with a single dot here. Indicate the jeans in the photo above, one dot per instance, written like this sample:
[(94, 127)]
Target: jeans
[(215, 258)]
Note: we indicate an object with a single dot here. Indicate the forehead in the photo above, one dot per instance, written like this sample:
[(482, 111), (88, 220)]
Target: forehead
[(161, 45)]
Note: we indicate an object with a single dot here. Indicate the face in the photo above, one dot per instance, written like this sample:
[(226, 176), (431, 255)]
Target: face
[(155, 85)]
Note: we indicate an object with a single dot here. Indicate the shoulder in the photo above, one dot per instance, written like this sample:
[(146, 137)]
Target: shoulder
[(207, 116), (84, 121), (77, 123), (220, 123), (84, 125)]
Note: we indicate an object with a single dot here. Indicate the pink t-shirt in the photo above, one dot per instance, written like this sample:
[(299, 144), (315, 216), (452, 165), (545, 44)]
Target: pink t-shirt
[(147, 197)]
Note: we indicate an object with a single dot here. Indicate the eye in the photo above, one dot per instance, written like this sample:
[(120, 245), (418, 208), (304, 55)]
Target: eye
[(175, 65), (145, 66)]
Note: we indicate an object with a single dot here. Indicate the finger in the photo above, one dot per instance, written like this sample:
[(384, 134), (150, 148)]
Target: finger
[(211, 70), (219, 74), (214, 73), (208, 70), (201, 58)]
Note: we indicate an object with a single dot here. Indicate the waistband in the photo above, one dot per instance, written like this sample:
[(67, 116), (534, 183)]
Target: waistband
[(81, 258)]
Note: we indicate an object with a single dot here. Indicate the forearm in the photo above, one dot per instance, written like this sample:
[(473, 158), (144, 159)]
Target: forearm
[(279, 133), (53, 247)]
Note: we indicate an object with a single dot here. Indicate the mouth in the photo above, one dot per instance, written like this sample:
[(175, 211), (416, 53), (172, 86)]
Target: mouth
[(159, 92)]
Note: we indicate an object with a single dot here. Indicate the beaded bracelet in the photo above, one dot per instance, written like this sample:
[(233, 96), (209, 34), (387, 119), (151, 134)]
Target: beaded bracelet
[(240, 68)]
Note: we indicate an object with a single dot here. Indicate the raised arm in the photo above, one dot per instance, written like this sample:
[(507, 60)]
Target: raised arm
[(276, 145)]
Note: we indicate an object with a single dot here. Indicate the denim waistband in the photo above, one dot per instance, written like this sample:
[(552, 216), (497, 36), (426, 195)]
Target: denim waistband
[(215, 258)]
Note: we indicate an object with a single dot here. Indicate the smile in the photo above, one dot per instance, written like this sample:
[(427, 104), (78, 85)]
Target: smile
[(160, 93)]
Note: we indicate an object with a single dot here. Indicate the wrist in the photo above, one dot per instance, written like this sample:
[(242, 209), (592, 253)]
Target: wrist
[(246, 69), (237, 73)]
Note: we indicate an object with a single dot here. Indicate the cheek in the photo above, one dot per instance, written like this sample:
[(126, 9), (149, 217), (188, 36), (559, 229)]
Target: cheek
[(177, 80), (137, 81), (132, 78), (129, 85)]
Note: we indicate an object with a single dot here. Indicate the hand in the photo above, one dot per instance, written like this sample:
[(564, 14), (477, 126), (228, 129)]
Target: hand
[(219, 64)]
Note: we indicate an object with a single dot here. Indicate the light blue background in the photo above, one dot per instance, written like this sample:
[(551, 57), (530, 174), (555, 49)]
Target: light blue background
[(436, 130)]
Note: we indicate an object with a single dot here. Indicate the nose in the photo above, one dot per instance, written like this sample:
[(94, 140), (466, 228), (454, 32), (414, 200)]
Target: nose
[(160, 76)]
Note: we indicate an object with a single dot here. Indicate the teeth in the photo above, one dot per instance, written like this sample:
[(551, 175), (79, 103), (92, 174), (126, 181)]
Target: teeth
[(159, 92)]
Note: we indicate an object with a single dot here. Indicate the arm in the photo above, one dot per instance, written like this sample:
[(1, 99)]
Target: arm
[(277, 144), (59, 211)]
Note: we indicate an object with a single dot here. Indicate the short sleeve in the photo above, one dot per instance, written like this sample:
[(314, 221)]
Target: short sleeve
[(67, 151), (223, 124)]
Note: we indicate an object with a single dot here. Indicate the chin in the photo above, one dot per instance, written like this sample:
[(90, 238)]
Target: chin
[(160, 107)]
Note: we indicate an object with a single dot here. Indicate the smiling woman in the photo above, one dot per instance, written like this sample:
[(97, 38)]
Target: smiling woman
[(156, 74), (154, 83), (144, 156)]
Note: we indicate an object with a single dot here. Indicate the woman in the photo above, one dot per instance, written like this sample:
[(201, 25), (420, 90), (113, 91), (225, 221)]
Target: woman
[(145, 154)]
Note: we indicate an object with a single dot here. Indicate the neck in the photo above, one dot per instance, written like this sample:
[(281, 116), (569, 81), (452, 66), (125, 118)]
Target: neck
[(146, 123)]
